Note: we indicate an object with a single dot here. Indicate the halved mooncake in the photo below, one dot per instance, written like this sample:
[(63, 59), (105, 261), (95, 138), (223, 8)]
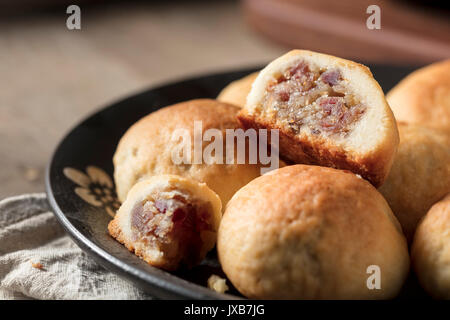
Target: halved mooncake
[(330, 112), (168, 221)]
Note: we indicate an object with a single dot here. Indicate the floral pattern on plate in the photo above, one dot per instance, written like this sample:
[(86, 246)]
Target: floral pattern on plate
[(94, 187)]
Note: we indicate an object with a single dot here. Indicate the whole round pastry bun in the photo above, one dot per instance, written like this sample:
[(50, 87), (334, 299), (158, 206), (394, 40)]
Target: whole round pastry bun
[(430, 252), (236, 92), (169, 186), (146, 148), (368, 149), (420, 174), (309, 232), (423, 97)]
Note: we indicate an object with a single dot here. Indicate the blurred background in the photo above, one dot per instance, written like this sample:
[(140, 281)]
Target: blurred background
[(51, 77)]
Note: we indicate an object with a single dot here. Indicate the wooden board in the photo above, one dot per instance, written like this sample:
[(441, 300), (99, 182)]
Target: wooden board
[(409, 33)]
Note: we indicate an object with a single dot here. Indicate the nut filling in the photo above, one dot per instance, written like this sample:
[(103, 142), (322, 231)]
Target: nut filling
[(315, 99), (173, 226)]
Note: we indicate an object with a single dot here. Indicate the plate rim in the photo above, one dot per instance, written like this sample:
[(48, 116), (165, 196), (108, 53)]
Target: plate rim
[(170, 290)]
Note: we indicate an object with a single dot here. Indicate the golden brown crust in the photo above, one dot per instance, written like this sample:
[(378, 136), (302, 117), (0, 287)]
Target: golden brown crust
[(309, 232), (420, 174), (146, 148), (430, 253), (423, 97), (237, 91), (37, 265), (373, 167), (116, 232)]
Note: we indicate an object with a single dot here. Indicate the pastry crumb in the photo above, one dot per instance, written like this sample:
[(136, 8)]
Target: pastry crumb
[(37, 265), (217, 284), (31, 174)]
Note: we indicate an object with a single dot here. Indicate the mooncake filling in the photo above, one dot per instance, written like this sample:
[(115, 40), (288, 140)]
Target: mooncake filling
[(306, 97), (173, 226)]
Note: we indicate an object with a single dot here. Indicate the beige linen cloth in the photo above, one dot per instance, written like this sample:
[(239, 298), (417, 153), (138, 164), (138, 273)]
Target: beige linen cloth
[(39, 261)]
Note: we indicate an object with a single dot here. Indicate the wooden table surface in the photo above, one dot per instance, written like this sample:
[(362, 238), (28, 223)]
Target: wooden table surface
[(51, 78)]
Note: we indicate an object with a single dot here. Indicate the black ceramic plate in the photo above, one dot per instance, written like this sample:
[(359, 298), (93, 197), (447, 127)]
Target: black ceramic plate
[(81, 191)]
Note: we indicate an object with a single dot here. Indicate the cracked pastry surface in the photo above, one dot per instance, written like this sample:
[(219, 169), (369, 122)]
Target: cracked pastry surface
[(329, 111), (311, 237)]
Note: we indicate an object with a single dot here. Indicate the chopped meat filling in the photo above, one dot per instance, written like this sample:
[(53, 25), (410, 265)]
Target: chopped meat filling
[(316, 99), (173, 226)]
